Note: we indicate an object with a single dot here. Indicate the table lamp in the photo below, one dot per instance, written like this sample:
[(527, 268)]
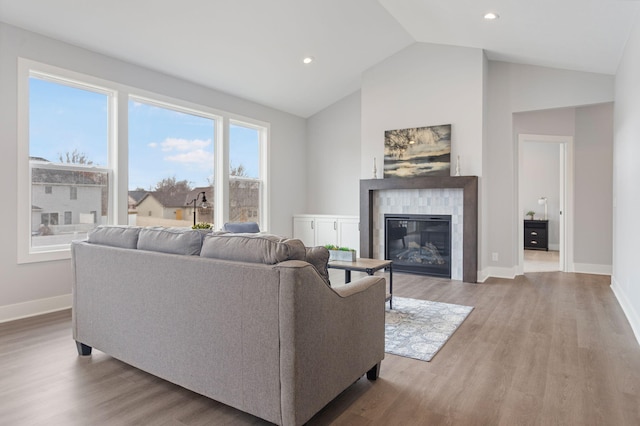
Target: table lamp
[(543, 200)]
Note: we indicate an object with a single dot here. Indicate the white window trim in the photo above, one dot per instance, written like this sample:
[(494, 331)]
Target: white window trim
[(221, 146), (263, 135), (26, 69), (118, 152)]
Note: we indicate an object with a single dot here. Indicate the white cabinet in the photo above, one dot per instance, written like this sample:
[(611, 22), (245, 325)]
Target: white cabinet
[(349, 233), (326, 231), (320, 230), (304, 230)]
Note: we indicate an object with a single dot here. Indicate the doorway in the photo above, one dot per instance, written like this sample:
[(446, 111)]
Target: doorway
[(545, 170)]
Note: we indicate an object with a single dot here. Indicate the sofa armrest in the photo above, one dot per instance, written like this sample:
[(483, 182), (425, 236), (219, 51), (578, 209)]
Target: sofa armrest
[(358, 285), (329, 337)]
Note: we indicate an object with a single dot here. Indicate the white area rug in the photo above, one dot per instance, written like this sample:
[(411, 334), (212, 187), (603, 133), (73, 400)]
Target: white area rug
[(419, 328)]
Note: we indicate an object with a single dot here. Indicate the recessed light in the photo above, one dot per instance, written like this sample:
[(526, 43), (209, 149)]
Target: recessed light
[(491, 16), (307, 60)]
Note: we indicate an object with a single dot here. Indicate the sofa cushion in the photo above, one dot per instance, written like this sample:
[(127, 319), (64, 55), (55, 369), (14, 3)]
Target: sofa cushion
[(319, 258), (256, 248), (115, 236), (170, 240)]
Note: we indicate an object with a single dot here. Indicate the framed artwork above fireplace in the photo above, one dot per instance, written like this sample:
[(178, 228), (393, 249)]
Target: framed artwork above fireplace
[(416, 152)]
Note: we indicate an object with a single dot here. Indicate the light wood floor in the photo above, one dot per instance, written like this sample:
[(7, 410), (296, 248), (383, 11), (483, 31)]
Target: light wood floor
[(541, 261), (545, 349)]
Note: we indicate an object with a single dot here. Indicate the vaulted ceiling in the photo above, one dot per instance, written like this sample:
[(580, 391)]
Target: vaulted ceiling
[(254, 48)]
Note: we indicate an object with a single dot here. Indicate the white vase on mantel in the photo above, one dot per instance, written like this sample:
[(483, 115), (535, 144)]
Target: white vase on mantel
[(458, 166)]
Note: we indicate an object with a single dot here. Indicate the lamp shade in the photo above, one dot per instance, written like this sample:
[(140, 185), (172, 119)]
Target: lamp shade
[(543, 201)]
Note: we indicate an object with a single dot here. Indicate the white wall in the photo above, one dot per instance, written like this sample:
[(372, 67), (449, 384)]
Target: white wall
[(626, 232), (424, 85), (41, 286), (515, 88), (593, 197), (333, 159)]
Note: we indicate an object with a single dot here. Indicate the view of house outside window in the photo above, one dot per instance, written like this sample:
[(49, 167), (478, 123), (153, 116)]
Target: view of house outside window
[(171, 162), (68, 151)]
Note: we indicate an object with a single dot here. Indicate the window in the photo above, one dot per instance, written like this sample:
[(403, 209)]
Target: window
[(66, 130), (49, 219), (68, 135), (178, 154), (245, 172), (171, 157), (174, 152)]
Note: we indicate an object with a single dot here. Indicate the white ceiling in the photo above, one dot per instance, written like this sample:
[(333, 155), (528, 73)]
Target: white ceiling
[(254, 48)]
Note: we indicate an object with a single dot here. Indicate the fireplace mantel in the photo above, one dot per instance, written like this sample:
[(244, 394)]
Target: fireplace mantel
[(469, 186)]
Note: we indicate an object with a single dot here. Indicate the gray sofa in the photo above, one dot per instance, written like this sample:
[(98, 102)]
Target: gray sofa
[(244, 319)]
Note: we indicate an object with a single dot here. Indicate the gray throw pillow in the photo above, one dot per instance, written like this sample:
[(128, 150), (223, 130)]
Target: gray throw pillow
[(319, 258), (241, 227)]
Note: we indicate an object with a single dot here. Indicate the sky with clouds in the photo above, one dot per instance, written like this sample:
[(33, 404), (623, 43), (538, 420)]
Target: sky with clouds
[(162, 142)]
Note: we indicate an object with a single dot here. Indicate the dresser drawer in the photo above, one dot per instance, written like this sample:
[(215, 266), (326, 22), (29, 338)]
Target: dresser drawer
[(540, 243)]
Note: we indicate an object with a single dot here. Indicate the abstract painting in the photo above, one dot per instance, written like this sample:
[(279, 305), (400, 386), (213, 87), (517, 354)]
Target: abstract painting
[(420, 151)]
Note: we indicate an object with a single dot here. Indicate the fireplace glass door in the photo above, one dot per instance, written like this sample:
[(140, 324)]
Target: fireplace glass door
[(419, 244)]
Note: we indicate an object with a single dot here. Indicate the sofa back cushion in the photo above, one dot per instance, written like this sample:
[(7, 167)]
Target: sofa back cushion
[(114, 236), (170, 240), (254, 248)]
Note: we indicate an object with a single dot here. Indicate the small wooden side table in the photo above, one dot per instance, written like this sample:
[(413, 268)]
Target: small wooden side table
[(366, 265)]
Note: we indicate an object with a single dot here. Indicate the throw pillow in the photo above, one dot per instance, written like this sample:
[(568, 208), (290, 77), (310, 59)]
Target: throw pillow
[(241, 227), (318, 257)]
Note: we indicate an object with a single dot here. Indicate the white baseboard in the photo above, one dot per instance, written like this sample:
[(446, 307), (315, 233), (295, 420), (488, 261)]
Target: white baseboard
[(496, 272), (34, 307), (592, 268), (632, 315)]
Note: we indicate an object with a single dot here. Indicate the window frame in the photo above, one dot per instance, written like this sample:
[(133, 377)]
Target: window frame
[(223, 120), (263, 130), (118, 150), (181, 106), (26, 69)]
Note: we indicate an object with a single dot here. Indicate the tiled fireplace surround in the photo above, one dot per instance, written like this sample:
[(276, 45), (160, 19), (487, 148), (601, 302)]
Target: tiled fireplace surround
[(456, 196), (420, 201)]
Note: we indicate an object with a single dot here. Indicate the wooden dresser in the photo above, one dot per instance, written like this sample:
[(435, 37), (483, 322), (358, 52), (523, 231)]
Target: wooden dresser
[(536, 234)]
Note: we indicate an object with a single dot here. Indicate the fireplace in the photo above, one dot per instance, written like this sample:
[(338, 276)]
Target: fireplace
[(467, 220), (419, 244)]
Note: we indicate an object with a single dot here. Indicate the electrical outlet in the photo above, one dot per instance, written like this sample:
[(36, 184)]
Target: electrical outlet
[(494, 257)]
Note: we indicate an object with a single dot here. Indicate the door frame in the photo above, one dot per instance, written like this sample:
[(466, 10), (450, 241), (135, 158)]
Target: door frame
[(565, 144)]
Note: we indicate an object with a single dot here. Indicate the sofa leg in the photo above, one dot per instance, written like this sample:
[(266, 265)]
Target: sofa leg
[(83, 350), (374, 372)]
